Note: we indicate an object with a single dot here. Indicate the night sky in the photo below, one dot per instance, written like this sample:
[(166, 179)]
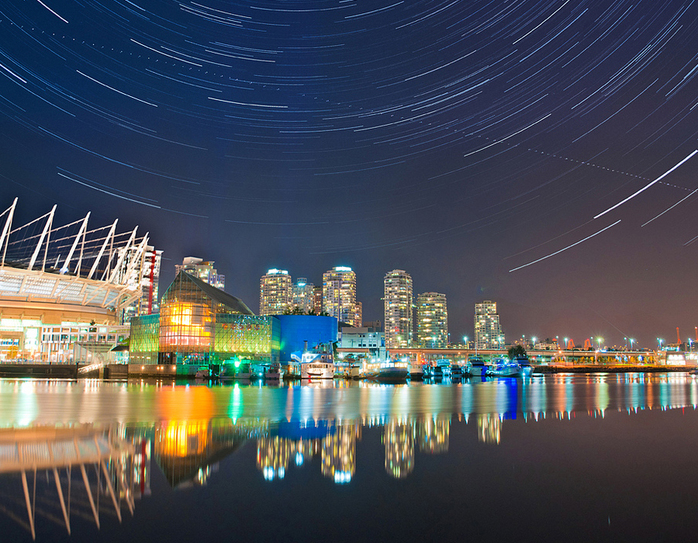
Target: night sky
[(475, 144)]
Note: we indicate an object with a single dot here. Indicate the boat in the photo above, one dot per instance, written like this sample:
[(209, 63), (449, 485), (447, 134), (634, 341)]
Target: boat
[(476, 367), (445, 367), (392, 372), (505, 368), (417, 372), (238, 370), (456, 371), (525, 364), (201, 374), (316, 364), (273, 372), (317, 370)]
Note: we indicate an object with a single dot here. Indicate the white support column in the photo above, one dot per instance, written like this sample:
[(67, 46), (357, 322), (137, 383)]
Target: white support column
[(123, 255), (101, 251), (47, 227), (5, 236), (81, 233)]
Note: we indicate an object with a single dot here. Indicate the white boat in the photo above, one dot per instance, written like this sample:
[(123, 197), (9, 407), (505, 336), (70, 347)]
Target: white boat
[(316, 364), (525, 364), (317, 370), (476, 367), (505, 368)]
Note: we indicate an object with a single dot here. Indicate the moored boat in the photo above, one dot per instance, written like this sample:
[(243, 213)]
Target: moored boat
[(238, 370), (505, 368), (390, 372), (476, 367)]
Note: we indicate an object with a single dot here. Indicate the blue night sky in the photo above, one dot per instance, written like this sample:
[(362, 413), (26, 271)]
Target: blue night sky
[(457, 140)]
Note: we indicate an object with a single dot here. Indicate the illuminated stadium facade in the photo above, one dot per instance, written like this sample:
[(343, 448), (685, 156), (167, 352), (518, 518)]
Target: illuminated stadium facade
[(64, 288)]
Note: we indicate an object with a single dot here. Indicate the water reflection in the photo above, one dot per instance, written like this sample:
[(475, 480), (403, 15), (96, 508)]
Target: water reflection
[(185, 432)]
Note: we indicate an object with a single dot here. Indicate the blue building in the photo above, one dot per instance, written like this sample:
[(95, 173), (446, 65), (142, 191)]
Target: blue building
[(297, 329)]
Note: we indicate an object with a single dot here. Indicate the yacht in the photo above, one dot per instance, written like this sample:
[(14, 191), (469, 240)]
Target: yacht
[(392, 372), (317, 366), (476, 367), (504, 367)]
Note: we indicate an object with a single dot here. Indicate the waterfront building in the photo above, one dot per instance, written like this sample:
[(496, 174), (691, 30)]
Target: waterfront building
[(64, 289), (339, 295), (302, 295), (432, 320), (300, 331), (199, 325), (488, 332), (275, 292), (363, 339), (397, 309), (203, 270)]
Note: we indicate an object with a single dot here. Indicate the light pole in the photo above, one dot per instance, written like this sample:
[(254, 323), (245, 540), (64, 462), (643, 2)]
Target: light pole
[(659, 341), (631, 343), (565, 348)]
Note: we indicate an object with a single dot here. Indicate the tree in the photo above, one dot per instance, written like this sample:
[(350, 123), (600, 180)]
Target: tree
[(516, 350)]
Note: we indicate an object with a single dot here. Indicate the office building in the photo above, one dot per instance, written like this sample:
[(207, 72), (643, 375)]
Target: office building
[(203, 270), (398, 307), (275, 292), (339, 295), (488, 332), (432, 320)]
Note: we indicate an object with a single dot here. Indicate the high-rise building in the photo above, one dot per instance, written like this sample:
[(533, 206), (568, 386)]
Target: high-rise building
[(397, 305), (150, 278), (203, 270), (432, 320), (302, 295), (275, 292), (488, 332), (317, 299), (339, 295)]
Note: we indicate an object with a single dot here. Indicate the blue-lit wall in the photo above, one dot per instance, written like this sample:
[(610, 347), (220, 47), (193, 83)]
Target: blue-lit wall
[(296, 329)]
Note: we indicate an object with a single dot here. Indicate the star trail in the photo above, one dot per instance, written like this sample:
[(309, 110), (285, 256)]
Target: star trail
[(457, 140)]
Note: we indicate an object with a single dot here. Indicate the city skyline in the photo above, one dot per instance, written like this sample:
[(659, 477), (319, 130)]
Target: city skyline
[(540, 154)]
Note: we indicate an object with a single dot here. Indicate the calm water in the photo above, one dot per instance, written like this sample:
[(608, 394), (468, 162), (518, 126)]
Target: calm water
[(556, 458)]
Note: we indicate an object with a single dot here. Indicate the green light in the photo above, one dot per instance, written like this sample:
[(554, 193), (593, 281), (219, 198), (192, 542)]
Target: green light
[(237, 364)]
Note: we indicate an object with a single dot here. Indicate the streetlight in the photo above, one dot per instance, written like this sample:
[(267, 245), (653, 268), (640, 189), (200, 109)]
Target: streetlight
[(660, 341), (465, 341), (599, 340), (565, 344), (631, 343)]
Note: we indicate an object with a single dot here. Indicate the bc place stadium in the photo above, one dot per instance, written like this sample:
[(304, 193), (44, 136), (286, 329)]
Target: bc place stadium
[(66, 291)]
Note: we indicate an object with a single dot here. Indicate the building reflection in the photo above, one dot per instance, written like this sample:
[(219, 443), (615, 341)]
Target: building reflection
[(294, 428), (489, 429), (398, 439)]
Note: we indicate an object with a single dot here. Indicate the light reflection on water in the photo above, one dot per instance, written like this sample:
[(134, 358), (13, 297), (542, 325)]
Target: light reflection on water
[(68, 402), (183, 432)]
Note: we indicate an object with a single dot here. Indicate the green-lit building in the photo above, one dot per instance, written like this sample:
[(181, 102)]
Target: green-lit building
[(199, 325)]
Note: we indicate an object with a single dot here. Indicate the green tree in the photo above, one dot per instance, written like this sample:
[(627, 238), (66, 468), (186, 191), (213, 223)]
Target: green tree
[(516, 350)]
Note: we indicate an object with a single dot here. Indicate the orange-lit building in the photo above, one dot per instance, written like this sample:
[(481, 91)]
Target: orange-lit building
[(200, 324)]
